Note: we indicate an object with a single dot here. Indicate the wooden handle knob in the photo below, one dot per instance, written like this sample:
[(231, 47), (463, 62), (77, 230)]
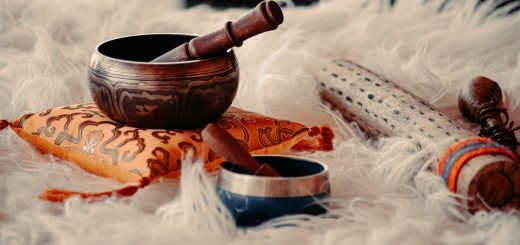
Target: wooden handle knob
[(481, 102), (265, 17), (480, 92)]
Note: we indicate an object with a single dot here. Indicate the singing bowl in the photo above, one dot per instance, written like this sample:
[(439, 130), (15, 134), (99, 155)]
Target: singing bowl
[(301, 188), (133, 91)]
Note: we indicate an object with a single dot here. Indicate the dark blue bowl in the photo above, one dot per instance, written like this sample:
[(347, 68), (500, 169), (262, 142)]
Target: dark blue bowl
[(301, 189)]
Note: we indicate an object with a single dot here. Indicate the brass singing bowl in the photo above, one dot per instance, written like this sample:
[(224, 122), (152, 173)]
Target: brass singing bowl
[(135, 92)]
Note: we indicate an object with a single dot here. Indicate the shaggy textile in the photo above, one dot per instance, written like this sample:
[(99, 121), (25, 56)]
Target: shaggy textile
[(382, 194)]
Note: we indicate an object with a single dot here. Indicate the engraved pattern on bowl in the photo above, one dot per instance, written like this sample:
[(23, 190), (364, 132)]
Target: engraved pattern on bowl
[(161, 95)]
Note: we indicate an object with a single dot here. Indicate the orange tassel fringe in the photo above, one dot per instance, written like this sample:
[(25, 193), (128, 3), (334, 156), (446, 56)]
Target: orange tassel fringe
[(60, 195), (3, 124), (321, 140)]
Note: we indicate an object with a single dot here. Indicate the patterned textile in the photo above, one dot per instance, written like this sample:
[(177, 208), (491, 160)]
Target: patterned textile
[(82, 134)]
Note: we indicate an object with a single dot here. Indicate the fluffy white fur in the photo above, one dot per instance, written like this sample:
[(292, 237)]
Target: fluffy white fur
[(381, 193)]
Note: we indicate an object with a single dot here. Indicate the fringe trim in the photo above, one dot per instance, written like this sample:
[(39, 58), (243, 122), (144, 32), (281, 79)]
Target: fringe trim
[(60, 195), (320, 140)]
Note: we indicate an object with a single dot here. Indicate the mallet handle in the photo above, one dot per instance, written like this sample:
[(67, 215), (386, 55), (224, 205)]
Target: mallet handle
[(265, 17)]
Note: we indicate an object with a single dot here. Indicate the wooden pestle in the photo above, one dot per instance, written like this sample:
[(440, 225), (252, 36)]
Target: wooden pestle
[(224, 145), (265, 17)]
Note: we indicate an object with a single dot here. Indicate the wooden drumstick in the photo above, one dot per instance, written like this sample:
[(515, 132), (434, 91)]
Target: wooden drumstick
[(265, 17), (484, 171), (224, 145)]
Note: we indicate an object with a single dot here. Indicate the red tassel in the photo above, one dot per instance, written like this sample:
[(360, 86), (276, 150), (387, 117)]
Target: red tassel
[(322, 140), (3, 124), (60, 195)]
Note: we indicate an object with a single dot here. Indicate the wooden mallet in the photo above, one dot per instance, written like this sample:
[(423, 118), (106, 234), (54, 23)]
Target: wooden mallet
[(265, 17), (224, 145)]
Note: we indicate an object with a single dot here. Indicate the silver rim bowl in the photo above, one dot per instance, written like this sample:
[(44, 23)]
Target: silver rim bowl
[(300, 177)]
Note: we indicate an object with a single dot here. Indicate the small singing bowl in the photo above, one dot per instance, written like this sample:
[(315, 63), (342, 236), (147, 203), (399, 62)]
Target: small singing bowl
[(131, 90), (301, 188)]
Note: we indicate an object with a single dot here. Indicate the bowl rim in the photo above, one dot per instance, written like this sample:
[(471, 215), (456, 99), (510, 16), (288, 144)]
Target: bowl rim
[(96, 50), (241, 175), (266, 186), (104, 64)]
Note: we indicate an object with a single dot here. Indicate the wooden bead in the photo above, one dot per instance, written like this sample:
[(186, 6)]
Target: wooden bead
[(480, 92)]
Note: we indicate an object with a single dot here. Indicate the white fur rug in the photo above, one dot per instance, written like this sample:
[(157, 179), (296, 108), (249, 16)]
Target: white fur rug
[(381, 194)]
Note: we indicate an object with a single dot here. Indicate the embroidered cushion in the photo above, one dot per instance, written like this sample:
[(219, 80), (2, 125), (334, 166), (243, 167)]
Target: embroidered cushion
[(83, 135)]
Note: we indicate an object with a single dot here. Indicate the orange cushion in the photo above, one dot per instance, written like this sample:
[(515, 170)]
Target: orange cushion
[(82, 134)]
